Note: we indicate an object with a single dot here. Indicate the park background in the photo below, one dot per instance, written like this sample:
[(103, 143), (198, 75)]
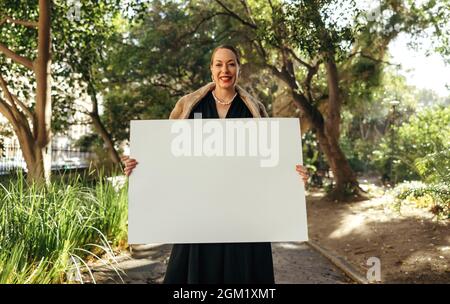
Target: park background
[(366, 78)]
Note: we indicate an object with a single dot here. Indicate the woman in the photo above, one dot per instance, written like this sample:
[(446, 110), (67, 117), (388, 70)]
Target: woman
[(230, 262)]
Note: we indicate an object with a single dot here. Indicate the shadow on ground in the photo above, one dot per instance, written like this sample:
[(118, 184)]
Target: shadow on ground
[(293, 263)]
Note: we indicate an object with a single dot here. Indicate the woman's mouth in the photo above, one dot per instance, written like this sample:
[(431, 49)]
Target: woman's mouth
[(225, 78)]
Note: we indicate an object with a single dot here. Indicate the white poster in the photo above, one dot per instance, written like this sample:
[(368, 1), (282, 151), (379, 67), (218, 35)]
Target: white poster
[(216, 181)]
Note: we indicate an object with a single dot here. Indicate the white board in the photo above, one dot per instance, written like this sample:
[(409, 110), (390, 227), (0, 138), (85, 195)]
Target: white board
[(216, 195)]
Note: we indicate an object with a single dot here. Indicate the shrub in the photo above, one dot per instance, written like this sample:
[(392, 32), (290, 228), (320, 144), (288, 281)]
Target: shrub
[(44, 231), (435, 197), (417, 143)]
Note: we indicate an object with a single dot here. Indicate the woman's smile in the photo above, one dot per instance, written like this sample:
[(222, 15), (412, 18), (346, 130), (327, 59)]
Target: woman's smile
[(226, 79)]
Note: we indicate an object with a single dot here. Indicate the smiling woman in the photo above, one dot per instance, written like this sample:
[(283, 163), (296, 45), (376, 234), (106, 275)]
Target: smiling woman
[(230, 262), (219, 262)]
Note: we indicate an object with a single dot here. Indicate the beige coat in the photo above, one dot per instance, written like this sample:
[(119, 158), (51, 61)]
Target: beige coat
[(186, 103)]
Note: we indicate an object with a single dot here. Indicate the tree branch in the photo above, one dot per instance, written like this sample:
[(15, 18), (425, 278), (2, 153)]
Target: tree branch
[(248, 10), (236, 16), (19, 117), (24, 108), (15, 57), (311, 72), (260, 49), (26, 23), (298, 59), (373, 59), (271, 6), (205, 19), (8, 94), (5, 109)]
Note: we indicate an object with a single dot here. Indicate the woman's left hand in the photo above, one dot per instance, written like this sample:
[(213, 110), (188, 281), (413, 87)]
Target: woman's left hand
[(303, 172)]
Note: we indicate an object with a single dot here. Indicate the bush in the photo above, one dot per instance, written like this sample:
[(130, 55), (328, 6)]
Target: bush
[(45, 231), (358, 153), (434, 167), (435, 197), (417, 143)]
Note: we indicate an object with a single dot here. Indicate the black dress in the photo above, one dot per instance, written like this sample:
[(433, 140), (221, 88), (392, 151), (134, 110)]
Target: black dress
[(217, 263)]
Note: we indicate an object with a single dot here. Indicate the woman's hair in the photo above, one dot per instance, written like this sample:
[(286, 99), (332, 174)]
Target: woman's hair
[(228, 47)]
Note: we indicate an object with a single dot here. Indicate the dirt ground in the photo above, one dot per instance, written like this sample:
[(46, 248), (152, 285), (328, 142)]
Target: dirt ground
[(413, 247)]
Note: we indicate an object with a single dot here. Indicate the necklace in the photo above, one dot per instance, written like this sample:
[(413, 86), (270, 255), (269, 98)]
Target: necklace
[(225, 103)]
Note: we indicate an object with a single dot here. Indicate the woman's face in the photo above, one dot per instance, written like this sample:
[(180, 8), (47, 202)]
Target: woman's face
[(225, 68)]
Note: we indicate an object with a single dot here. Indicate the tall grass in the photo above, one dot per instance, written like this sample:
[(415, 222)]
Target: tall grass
[(48, 232)]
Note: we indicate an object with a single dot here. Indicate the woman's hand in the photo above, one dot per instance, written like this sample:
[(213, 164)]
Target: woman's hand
[(303, 172), (129, 163)]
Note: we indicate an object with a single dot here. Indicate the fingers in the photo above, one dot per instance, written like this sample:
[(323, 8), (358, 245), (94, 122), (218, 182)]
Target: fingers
[(130, 164), (128, 170), (303, 172), (126, 159)]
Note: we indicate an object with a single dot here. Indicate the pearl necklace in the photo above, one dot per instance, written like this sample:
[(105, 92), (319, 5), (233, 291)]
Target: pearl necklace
[(225, 103)]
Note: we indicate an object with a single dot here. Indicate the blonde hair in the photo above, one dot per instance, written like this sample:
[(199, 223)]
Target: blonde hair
[(228, 47)]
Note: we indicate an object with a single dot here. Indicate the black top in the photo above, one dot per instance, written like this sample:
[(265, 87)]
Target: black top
[(220, 263), (207, 107)]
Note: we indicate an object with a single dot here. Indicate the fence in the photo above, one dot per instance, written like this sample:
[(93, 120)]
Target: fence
[(11, 159)]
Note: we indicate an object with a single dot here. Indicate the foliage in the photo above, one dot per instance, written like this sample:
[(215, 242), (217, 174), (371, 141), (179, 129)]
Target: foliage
[(154, 61), (316, 28), (314, 161), (435, 197), (44, 232), (411, 146)]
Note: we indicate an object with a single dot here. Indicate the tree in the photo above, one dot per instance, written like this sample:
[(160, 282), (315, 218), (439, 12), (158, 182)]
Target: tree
[(77, 46), (82, 41), (311, 45), (323, 60), (294, 41), (152, 63), (31, 125), (83, 44)]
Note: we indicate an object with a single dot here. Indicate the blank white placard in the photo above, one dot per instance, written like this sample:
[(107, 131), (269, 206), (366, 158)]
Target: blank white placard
[(214, 199)]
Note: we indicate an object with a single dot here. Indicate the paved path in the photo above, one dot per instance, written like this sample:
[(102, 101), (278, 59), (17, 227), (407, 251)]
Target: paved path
[(293, 263)]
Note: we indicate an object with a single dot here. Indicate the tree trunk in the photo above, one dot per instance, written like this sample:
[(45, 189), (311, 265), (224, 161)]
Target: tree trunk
[(40, 170), (327, 132), (32, 128), (345, 179), (99, 126), (34, 155)]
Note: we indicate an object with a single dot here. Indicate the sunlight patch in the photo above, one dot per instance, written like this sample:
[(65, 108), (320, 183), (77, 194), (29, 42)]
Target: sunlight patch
[(348, 225)]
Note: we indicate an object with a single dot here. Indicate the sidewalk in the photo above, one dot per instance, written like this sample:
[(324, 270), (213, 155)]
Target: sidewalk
[(293, 263)]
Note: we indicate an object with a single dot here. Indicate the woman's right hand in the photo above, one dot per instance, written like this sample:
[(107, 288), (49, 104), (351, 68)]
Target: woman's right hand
[(130, 164)]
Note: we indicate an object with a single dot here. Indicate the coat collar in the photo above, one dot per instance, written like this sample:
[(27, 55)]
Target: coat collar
[(188, 102)]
